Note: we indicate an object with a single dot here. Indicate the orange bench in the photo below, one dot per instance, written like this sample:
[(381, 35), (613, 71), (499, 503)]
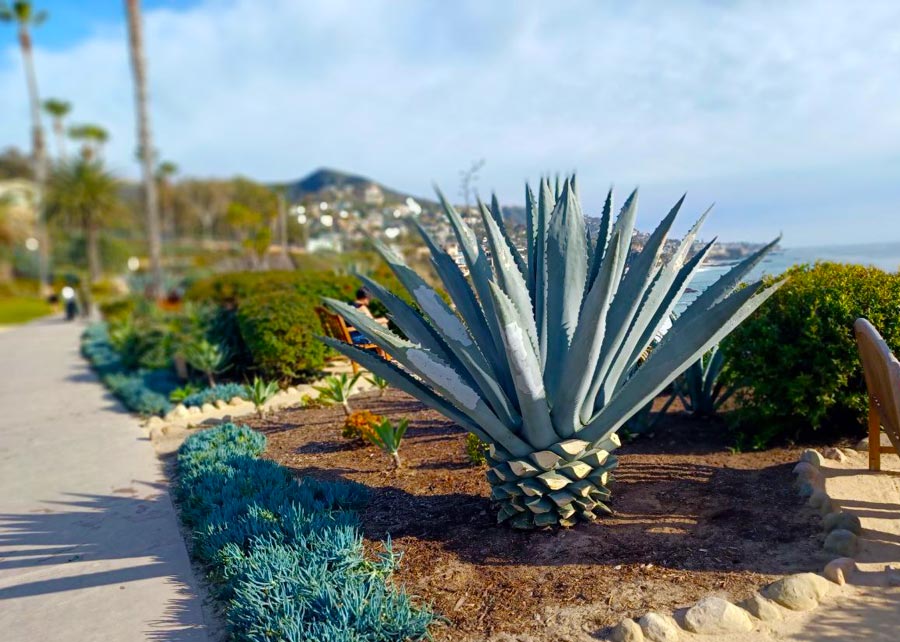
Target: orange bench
[(336, 328), (882, 371)]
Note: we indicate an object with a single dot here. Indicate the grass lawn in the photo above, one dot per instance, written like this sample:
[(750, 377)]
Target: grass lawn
[(21, 309)]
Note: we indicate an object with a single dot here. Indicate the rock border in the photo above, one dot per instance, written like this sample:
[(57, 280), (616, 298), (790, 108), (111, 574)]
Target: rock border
[(714, 615), (166, 433)]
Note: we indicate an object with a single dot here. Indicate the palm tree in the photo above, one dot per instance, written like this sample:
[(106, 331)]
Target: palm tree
[(22, 14), (164, 173), (92, 138), (145, 141), (58, 110), (82, 193)]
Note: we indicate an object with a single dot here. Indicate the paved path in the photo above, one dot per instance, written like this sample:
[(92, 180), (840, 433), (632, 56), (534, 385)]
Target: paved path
[(89, 543)]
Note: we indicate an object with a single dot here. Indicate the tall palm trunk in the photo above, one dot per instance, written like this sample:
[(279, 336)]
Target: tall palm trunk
[(145, 142), (92, 240), (39, 157), (59, 132)]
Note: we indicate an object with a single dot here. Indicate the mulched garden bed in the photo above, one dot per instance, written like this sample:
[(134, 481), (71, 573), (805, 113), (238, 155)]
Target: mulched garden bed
[(691, 519)]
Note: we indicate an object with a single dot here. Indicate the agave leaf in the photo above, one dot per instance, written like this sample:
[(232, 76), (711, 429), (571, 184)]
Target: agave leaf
[(453, 385), (466, 304), (567, 271), (466, 365), (497, 215), (585, 349), (510, 280), (546, 203), (630, 294), (530, 237), (403, 380), (480, 273), (405, 316), (682, 345), (537, 429), (602, 240), (726, 283)]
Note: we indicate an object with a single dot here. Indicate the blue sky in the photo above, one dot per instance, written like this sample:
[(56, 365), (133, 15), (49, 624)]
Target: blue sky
[(786, 114)]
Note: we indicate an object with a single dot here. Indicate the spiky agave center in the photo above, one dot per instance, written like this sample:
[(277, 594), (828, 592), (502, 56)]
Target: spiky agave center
[(559, 486)]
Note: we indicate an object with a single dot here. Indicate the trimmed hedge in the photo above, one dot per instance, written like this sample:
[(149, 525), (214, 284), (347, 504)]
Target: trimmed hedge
[(218, 392), (286, 557), (796, 356), (279, 330)]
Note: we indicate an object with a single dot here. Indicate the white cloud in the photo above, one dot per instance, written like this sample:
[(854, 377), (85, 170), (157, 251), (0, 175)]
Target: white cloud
[(409, 91)]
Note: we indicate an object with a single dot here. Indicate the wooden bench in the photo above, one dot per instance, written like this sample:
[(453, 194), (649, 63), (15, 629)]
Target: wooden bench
[(882, 371), (336, 328)]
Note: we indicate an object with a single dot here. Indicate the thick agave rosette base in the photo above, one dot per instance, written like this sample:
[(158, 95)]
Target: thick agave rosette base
[(560, 486)]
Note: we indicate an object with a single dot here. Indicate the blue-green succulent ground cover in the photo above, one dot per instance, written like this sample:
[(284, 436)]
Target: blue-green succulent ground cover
[(286, 557)]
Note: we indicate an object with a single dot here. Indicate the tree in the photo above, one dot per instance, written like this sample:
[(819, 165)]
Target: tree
[(58, 110), (15, 164), (23, 15), (203, 203), (146, 152), (92, 138), (251, 212), (82, 193), (165, 171)]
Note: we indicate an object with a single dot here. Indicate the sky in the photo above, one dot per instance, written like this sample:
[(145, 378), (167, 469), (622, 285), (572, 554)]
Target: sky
[(785, 114)]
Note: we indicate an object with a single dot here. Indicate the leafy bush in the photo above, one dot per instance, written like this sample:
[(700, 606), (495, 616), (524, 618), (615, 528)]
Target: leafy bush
[(261, 391), (212, 394), (132, 390), (142, 391), (476, 450), (796, 356), (359, 424), (117, 309), (286, 557), (279, 330)]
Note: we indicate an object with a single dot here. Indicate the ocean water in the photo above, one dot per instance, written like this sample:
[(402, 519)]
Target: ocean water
[(885, 256)]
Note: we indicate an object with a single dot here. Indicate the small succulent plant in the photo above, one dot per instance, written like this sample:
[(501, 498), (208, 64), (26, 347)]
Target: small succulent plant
[(337, 389)]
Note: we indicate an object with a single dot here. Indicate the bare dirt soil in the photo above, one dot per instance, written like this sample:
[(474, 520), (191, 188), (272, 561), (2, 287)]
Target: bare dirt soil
[(692, 518)]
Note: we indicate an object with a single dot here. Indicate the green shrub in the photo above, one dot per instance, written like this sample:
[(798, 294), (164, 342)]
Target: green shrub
[(117, 310), (476, 450), (796, 357), (279, 330), (287, 558)]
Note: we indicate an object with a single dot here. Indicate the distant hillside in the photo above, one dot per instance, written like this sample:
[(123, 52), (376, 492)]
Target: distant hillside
[(325, 180)]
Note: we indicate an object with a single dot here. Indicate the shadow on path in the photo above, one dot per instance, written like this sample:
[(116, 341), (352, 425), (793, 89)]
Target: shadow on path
[(88, 542)]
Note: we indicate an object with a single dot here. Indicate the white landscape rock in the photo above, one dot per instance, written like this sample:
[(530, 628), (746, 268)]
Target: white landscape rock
[(841, 542), (235, 401), (818, 499), (799, 592), (220, 403), (846, 521), (805, 471), (762, 609), (812, 456), (713, 615), (626, 631), (834, 453), (839, 570), (659, 628), (194, 410), (180, 411), (207, 408), (155, 422)]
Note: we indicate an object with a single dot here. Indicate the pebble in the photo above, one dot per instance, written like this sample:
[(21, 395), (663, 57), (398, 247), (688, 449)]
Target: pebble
[(841, 542), (626, 631), (846, 521), (760, 607), (834, 453), (812, 456), (658, 627), (713, 615), (799, 592), (840, 569), (818, 498)]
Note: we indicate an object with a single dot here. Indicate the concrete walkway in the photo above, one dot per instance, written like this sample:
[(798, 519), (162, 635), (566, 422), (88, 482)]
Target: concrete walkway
[(90, 548)]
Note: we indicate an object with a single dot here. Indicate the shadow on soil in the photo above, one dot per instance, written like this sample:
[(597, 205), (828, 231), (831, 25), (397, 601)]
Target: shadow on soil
[(90, 532)]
